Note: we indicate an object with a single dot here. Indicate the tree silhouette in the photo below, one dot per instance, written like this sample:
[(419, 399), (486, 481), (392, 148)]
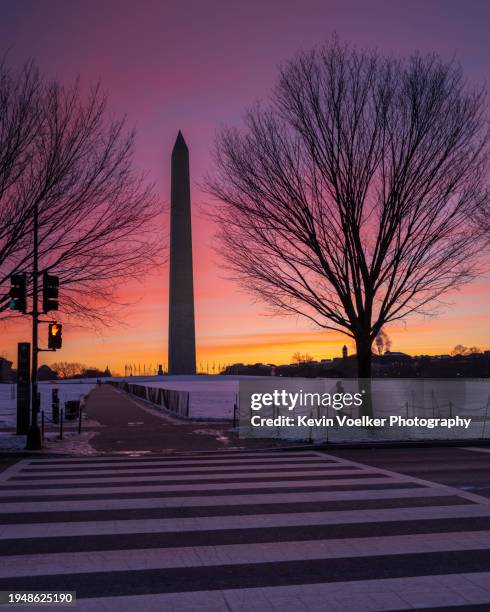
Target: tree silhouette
[(301, 358), (463, 351), (66, 369), (349, 199), (61, 151)]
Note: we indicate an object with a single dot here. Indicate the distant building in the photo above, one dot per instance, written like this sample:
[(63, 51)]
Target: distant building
[(90, 373), (44, 372), (255, 369), (397, 356), (6, 372)]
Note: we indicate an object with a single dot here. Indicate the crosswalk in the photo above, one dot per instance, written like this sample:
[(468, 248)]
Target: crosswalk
[(240, 531)]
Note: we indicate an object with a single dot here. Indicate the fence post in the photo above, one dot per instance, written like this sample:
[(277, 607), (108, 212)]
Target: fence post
[(55, 406), (278, 414), (486, 417), (80, 418)]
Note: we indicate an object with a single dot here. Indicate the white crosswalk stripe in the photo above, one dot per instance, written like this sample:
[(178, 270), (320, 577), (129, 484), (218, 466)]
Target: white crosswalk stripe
[(240, 531)]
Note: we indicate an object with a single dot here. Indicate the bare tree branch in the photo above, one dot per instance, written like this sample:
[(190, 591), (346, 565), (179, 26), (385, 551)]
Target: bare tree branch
[(98, 219), (351, 198)]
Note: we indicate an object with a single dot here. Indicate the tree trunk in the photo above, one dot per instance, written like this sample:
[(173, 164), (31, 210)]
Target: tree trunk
[(364, 359), (364, 356)]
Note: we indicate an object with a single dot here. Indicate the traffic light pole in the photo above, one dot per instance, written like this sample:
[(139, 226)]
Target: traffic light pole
[(34, 439)]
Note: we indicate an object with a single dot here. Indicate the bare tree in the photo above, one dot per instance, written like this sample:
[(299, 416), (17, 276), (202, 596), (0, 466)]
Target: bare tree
[(463, 351), (76, 164), (66, 369), (20, 117), (349, 198), (301, 358), (459, 350)]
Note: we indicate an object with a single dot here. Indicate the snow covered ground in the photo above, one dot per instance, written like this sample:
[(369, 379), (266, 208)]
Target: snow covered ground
[(68, 390), (407, 398), (7, 405), (209, 397), (214, 397)]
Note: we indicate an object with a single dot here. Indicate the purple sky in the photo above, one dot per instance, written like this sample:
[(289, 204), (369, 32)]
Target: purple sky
[(196, 65)]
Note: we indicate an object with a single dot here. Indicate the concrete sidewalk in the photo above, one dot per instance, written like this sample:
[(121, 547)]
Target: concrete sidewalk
[(130, 425)]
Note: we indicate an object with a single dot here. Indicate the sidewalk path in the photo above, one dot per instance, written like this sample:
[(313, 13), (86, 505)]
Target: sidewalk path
[(129, 425)]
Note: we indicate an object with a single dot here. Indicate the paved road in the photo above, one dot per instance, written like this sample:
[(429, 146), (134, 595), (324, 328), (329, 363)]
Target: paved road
[(129, 425), (466, 469), (241, 531)]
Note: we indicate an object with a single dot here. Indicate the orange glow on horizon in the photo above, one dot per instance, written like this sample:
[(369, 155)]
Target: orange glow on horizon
[(233, 331)]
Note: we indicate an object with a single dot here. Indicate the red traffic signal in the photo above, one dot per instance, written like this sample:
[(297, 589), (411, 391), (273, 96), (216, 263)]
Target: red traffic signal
[(54, 335)]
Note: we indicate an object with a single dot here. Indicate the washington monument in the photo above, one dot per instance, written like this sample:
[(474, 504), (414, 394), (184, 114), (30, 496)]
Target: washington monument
[(181, 332)]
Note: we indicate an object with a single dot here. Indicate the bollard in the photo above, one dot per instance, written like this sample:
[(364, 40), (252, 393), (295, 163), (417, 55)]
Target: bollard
[(55, 406), (61, 424), (42, 424), (80, 419)]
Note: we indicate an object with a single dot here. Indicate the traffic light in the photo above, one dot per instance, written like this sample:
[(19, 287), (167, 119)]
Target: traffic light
[(54, 335), (18, 292), (50, 292)]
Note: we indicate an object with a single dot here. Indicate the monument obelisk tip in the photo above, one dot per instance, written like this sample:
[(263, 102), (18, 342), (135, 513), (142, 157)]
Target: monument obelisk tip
[(180, 143)]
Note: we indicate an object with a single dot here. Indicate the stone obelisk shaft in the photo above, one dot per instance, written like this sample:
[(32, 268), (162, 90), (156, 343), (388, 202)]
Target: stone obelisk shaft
[(181, 331)]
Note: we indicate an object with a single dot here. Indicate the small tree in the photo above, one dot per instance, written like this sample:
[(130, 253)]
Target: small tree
[(461, 350), (302, 358), (349, 199)]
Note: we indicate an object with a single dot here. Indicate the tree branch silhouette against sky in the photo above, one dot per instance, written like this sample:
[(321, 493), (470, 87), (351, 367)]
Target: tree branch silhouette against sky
[(350, 198)]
